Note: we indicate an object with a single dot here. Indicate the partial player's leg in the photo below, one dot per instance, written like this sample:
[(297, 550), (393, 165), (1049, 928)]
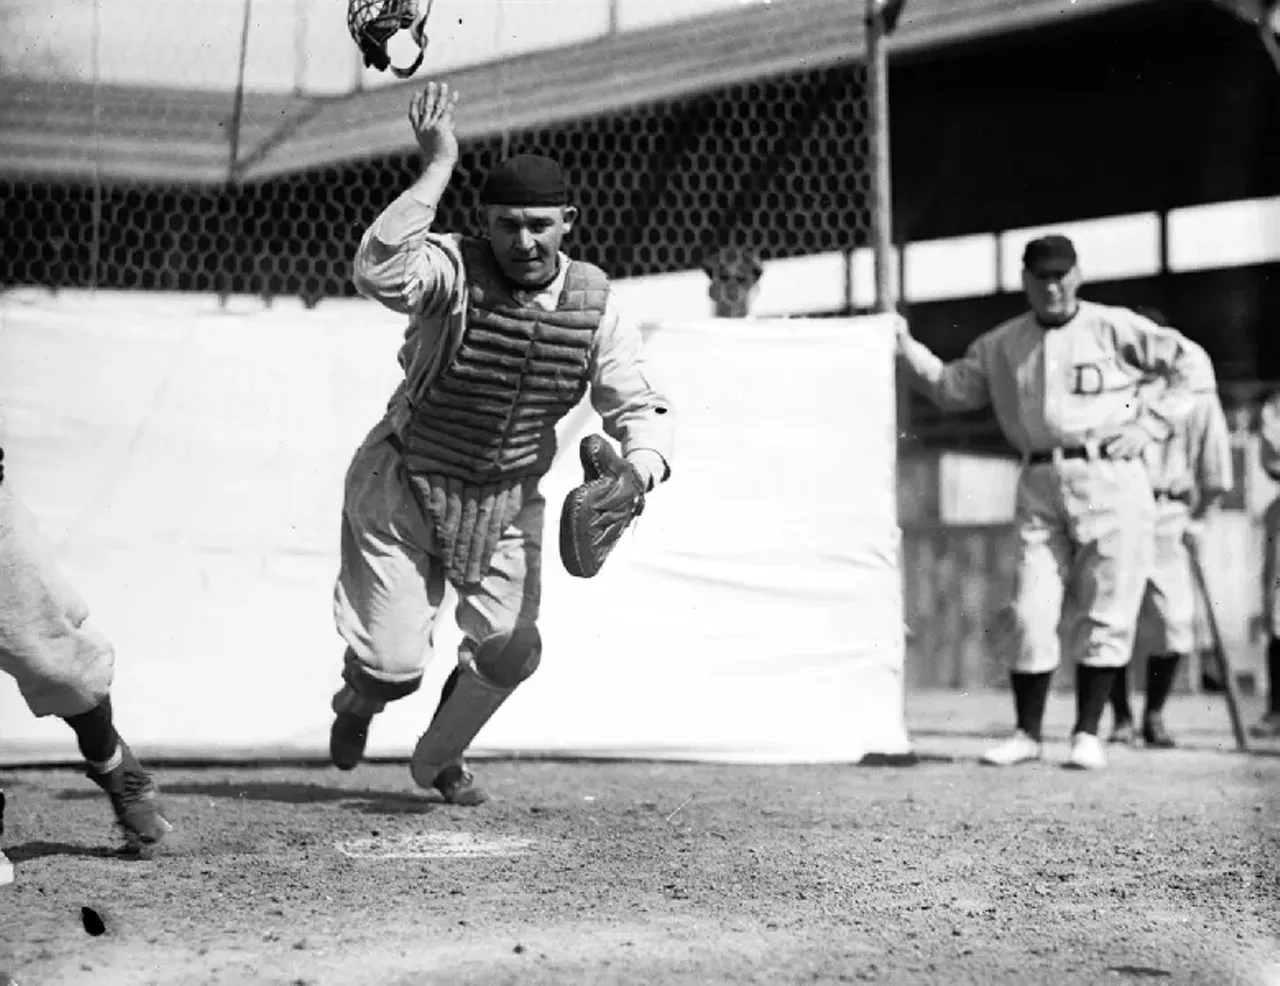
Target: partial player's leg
[(1112, 515), (1269, 726), (6, 868), (64, 668), (1173, 596), (1122, 728), (1035, 611), (386, 598), (501, 648)]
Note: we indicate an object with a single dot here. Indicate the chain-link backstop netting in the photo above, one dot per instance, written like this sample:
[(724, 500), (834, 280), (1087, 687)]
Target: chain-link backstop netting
[(779, 164)]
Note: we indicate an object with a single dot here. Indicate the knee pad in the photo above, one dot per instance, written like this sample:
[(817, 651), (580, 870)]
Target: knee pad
[(506, 659)]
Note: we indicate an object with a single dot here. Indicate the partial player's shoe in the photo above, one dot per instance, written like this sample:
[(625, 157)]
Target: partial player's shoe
[(347, 739), (458, 787), (1086, 753), (1267, 728), (133, 798), (1019, 748), (1154, 733), (1122, 733)]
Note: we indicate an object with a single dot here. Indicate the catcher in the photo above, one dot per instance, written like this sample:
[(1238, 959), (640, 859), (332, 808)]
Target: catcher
[(506, 335)]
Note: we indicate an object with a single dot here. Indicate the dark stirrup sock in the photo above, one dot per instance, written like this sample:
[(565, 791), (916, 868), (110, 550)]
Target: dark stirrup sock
[(1030, 692), (1162, 671), (96, 735), (1273, 675), (1093, 688), (1121, 711)]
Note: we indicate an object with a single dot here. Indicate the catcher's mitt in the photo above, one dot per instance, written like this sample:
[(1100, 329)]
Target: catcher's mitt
[(596, 513), (373, 23)]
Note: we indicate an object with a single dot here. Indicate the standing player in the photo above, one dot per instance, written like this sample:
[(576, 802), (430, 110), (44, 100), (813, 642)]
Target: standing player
[(64, 668), (1064, 381), (506, 334), (1190, 473), (1269, 453)]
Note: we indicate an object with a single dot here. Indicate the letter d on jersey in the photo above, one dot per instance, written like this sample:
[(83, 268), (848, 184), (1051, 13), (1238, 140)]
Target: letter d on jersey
[(1088, 379)]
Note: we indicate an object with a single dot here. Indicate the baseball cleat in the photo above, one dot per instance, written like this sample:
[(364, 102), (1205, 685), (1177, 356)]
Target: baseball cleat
[(1019, 748), (133, 798), (1267, 728), (1086, 753), (457, 787), (347, 739), (1154, 734)]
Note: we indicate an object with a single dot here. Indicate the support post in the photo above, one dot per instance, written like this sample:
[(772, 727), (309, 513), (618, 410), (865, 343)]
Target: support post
[(881, 188)]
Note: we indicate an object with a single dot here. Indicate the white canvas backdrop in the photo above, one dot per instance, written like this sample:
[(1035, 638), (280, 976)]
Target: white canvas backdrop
[(187, 463)]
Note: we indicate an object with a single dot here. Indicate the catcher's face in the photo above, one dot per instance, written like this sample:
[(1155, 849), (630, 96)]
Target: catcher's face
[(526, 240)]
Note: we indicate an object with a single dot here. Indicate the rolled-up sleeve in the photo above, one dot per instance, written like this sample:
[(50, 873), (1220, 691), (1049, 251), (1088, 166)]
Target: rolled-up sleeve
[(401, 264), (635, 413)]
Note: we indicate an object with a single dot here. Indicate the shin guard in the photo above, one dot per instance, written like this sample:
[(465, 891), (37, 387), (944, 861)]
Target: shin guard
[(486, 677)]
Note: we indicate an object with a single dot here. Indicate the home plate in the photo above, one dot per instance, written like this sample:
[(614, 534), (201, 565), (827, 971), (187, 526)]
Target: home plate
[(433, 845)]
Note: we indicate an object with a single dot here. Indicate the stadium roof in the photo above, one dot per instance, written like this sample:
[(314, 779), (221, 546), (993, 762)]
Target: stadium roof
[(47, 128)]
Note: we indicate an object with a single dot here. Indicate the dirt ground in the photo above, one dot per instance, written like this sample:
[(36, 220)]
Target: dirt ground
[(1165, 867)]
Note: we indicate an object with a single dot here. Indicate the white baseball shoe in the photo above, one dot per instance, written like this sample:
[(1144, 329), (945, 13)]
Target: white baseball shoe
[(6, 870), (1018, 748), (1086, 753)]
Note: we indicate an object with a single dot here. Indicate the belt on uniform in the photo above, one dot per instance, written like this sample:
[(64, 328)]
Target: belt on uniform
[(1066, 452), (1183, 497)]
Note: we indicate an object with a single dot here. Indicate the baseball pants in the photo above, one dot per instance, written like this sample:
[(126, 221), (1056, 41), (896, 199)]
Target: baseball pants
[(1167, 615), (390, 588), (62, 666), (1085, 531)]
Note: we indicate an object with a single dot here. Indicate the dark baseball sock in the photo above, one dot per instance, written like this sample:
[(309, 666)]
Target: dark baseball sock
[(1273, 675), (1093, 688), (1162, 671), (96, 733), (1030, 692), (1121, 711)]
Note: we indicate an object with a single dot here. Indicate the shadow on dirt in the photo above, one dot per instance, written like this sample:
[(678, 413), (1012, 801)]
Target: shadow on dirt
[(27, 851), (292, 793)]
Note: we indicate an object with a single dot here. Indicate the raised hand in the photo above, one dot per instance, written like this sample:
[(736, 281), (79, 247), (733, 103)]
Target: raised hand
[(431, 117)]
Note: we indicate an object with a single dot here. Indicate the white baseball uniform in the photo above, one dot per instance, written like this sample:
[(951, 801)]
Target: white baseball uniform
[(1085, 522), (1192, 466)]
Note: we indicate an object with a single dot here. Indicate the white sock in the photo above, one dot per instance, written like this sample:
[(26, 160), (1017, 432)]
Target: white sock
[(111, 764)]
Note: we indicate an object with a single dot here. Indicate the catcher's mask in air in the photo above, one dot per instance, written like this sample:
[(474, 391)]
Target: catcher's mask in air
[(373, 23)]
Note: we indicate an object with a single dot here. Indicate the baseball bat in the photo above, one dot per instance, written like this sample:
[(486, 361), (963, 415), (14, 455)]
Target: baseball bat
[(1228, 673)]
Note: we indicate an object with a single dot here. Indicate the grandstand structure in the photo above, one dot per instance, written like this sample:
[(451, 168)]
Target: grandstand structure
[(1149, 130)]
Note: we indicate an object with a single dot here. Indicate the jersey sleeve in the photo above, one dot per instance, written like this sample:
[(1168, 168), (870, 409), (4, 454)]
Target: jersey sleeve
[(402, 265), (1269, 437), (1215, 473), (1166, 353), (961, 385)]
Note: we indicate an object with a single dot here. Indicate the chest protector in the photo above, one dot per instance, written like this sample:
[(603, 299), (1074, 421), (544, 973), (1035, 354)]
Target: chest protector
[(483, 432)]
